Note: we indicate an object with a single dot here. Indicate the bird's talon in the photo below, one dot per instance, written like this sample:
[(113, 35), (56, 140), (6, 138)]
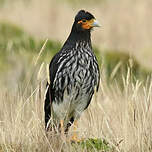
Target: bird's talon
[(74, 139)]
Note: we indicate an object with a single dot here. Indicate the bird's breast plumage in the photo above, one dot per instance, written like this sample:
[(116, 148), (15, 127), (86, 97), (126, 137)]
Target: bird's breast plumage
[(77, 72)]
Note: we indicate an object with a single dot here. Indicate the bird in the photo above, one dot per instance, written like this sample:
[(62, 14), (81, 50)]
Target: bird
[(74, 76)]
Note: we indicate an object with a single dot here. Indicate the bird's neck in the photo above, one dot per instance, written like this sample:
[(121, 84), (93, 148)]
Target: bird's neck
[(78, 38)]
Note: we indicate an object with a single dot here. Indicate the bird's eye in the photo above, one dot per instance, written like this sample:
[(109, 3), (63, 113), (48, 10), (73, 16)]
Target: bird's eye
[(84, 20)]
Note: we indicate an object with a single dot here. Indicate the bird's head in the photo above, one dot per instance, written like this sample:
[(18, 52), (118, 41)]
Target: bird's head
[(85, 21)]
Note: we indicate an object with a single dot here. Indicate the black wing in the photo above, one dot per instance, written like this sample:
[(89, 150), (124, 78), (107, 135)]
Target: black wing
[(49, 98)]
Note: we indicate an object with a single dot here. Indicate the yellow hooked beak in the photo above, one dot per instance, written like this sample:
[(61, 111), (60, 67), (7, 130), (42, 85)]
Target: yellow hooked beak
[(95, 23)]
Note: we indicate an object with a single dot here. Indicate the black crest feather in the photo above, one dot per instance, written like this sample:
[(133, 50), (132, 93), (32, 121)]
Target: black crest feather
[(82, 14)]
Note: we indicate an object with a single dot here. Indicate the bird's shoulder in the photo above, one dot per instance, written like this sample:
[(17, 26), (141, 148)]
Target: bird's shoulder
[(56, 61), (54, 66)]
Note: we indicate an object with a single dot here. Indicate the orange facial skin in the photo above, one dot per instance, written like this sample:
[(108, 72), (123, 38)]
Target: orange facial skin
[(87, 24)]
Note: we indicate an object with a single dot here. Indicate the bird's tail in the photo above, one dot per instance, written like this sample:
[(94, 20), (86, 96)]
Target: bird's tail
[(47, 107)]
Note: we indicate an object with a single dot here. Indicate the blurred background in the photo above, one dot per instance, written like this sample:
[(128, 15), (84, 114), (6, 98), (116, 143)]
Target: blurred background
[(32, 31), (125, 35)]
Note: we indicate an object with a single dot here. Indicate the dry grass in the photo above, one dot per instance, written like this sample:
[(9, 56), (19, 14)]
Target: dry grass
[(123, 118)]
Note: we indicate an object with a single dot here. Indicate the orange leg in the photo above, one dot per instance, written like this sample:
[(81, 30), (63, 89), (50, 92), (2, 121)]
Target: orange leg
[(74, 137), (62, 129), (62, 126)]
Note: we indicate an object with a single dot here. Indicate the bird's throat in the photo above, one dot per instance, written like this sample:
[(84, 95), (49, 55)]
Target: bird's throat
[(78, 37)]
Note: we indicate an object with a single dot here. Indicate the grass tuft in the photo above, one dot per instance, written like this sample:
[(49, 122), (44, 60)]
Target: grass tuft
[(97, 144)]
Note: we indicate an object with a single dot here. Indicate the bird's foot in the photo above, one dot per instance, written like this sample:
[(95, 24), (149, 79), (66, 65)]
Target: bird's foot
[(75, 139), (63, 136)]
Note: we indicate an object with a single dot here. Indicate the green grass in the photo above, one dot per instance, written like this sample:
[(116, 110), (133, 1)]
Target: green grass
[(19, 49), (15, 39), (116, 66), (92, 145)]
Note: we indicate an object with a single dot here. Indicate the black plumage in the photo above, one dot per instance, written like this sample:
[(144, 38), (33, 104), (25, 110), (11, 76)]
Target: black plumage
[(74, 74)]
